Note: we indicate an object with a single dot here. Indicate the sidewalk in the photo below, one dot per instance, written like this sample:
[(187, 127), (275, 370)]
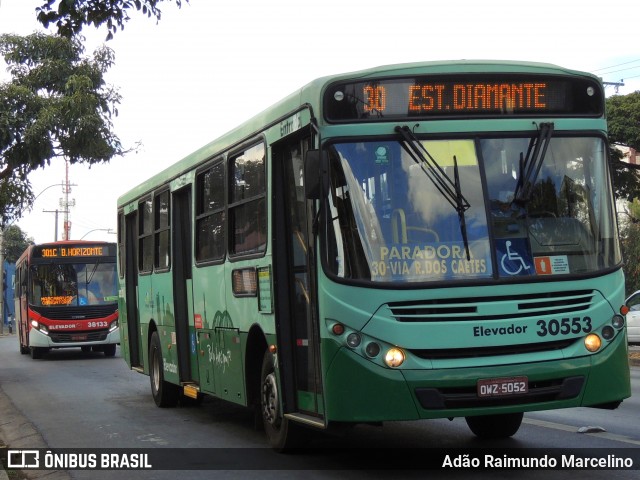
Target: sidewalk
[(17, 432)]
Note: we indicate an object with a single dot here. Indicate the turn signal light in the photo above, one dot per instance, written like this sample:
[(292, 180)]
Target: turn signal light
[(337, 329)]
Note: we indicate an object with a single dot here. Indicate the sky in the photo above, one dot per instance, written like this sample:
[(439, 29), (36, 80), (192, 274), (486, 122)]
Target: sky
[(205, 68)]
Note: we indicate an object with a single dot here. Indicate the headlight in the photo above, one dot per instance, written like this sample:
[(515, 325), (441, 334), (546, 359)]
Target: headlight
[(394, 357), (113, 325), (41, 327), (592, 342)]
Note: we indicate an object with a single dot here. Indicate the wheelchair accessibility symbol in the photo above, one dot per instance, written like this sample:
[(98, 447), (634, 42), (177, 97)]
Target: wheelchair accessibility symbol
[(512, 262)]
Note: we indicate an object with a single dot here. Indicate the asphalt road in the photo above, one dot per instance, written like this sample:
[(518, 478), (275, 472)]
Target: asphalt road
[(76, 400)]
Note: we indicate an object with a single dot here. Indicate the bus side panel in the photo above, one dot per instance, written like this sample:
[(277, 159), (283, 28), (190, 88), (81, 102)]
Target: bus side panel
[(209, 311), (161, 311)]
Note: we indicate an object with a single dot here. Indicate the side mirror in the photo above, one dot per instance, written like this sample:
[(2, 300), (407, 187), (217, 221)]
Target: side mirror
[(315, 172)]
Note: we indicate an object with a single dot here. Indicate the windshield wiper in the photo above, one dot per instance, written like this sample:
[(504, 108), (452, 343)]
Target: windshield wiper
[(530, 166), (450, 189)]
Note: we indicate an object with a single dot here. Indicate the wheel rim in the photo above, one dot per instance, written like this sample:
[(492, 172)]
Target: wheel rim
[(270, 400)]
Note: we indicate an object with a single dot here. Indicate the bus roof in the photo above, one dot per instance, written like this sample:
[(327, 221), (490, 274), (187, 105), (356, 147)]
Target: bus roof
[(310, 95)]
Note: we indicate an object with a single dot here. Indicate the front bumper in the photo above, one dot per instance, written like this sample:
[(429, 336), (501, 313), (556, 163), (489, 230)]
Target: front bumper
[(66, 339), (369, 392)]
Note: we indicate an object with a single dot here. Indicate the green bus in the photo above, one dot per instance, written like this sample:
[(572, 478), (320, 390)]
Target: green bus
[(428, 240)]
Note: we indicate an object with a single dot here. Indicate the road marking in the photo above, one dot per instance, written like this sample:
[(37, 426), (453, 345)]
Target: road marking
[(570, 428)]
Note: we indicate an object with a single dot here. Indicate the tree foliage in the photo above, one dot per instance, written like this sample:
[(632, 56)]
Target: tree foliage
[(70, 16), (630, 240), (15, 241), (623, 112), (57, 104), (623, 119)]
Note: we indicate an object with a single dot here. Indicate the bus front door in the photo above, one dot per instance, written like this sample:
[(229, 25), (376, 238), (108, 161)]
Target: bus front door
[(133, 348), (298, 336)]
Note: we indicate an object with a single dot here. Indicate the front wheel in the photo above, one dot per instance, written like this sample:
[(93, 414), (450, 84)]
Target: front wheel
[(110, 350), (495, 426), (24, 349), (165, 394), (281, 433), (37, 352)]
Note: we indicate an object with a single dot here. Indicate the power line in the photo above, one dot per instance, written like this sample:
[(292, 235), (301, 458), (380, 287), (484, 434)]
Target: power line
[(621, 70), (617, 65)]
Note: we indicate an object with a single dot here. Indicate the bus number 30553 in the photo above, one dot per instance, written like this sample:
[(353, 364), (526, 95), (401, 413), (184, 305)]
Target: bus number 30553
[(564, 326)]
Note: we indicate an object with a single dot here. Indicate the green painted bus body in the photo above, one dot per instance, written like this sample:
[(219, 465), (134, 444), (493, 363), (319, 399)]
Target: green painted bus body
[(440, 374)]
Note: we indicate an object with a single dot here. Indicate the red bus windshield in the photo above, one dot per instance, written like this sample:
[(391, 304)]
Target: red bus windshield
[(73, 284)]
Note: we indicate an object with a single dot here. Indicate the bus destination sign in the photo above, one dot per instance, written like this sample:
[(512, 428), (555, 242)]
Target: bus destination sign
[(458, 96), (72, 251)]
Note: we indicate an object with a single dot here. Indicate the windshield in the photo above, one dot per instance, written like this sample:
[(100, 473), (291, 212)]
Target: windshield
[(73, 284), (390, 223)]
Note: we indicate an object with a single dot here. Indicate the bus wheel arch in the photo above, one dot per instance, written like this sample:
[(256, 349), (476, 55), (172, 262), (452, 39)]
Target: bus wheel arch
[(165, 394)]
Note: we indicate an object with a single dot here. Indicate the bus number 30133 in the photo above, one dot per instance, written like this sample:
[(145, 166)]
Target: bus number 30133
[(563, 326)]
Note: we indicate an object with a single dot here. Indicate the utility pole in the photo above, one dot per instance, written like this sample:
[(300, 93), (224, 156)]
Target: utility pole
[(616, 85), (56, 211), (65, 203)]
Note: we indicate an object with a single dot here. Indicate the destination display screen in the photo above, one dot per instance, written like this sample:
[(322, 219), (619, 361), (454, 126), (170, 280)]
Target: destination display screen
[(468, 95), (71, 251)]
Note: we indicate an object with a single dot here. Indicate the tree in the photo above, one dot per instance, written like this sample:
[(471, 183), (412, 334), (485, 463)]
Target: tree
[(15, 241), (623, 112), (56, 105), (71, 16), (630, 235), (623, 116), (623, 119)]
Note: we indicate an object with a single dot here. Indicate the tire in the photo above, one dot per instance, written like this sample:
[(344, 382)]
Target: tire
[(37, 352), (495, 426), (23, 348), (85, 349), (110, 350), (282, 434), (165, 394)]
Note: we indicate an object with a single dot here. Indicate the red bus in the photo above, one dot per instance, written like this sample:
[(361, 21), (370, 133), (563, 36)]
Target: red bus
[(66, 295)]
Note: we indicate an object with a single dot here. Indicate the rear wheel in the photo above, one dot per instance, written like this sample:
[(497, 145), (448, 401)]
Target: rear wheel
[(495, 426), (165, 394), (282, 434)]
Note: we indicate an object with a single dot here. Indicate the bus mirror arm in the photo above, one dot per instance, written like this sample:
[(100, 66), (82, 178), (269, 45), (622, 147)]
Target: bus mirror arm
[(316, 174)]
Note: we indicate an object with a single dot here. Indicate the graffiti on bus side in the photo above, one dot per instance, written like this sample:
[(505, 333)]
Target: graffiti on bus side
[(219, 357)]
